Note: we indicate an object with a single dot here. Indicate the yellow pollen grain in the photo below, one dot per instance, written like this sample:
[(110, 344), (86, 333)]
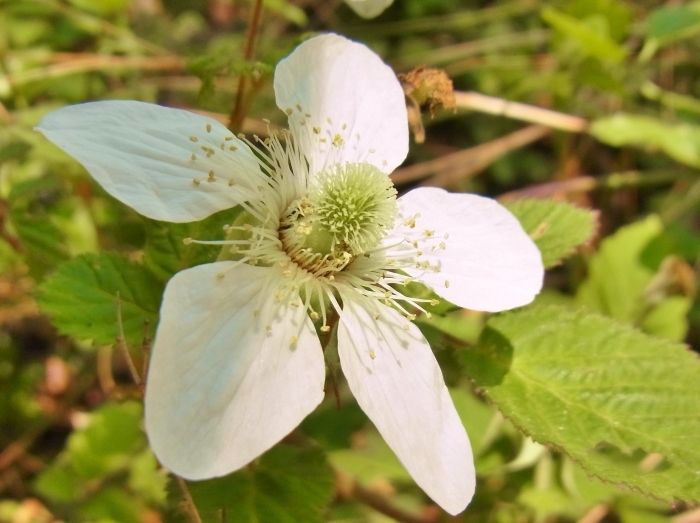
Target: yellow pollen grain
[(193, 157), (231, 183), (372, 354), (211, 178), (228, 138), (293, 341), (299, 108), (232, 148), (193, 139), (447, 284), (338, 140), (317, 130), (208, 126), (289, 111), (195, 181)]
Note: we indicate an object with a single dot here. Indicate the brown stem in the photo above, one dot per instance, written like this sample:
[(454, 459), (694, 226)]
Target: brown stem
[(451, 168), (12, 240), (239, 107), (382, 505), (121, 344), (188, 505)]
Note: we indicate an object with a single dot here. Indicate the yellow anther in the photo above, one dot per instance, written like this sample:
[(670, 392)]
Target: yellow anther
[(195, 181), (193, 139), (187, 241), (316, 129), (232, 148), (372, 354), (325, 328), (208, 126)]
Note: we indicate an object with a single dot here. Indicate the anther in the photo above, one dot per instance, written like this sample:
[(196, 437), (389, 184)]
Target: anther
[(325, 328), (316, 129), (208, 127), (187, 241), (447, 284), (232, 148), (211, 178), (193, 157), (193, 139), (195, 181), (372, 354)]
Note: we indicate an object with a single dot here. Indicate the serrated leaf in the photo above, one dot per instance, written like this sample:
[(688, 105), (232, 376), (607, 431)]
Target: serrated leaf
[(81, 298), (557, 228), (165, 253), (622, 404), (286, 485), (681, 141)]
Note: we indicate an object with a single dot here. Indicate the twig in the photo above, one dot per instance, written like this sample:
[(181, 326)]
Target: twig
[(380, 504), (188, 504), (121, 344), (586, 183), (238, 111), (595, 514), (453, 167), (96, 63), (518, 111), (12, 240)]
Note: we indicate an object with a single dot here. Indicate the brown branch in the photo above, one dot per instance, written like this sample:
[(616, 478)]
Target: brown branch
[(188, 504), (519, 111), (121, 344), (12, 240), (239, 107), (454, 167), (382, 505)]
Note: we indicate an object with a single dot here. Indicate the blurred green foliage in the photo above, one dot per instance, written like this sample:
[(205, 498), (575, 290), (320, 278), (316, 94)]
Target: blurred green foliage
[(623, 241)]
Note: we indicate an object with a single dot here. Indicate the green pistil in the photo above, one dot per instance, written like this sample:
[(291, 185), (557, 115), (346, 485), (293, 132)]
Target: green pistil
[(347, 212)]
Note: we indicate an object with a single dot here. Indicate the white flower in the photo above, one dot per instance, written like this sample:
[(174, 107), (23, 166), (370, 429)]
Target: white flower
[(369, 8), (323, 242)]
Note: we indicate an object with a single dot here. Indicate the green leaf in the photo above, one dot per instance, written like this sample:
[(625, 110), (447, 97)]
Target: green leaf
[(617, 274), (620, 403), (165, 253), (285, 485), (598, 45), (681, 141), (673, 22), (557, 228), (43, 241), (81, 298)]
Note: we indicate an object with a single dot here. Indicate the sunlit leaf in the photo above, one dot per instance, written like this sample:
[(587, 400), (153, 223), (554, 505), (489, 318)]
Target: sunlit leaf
[(557, 228), (285, 485), (681, 141), (81, 298), (620, 403)]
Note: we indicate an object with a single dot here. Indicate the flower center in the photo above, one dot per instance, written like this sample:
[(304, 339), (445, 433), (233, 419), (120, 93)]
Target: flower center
[(347, 211)]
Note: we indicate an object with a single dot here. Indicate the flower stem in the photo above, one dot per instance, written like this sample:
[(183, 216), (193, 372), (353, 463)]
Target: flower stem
[(188, 506), (519, 111), (239, 106)]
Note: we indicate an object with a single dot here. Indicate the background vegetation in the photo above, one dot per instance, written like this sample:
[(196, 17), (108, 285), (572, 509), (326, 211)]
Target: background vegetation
[(591, 102)]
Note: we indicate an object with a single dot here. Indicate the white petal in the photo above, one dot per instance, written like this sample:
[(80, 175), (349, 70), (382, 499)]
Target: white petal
[(369, 8), (488, 263), (351, 98), (142, 155), (394, 376), (222, 389)]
